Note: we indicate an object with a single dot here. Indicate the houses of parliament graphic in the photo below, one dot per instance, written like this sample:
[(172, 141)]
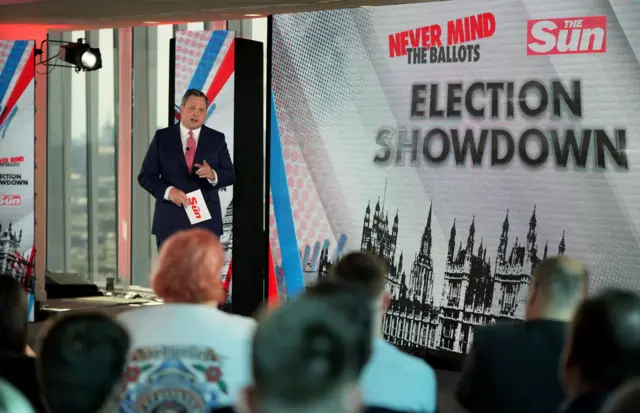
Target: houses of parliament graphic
[(10, 240), (227, 237), (12, 262), (479, 288)]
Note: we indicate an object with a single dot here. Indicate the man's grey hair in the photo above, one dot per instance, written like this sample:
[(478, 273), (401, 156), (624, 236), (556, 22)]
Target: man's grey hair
[(625, 400), (563, 281), (195, 93)]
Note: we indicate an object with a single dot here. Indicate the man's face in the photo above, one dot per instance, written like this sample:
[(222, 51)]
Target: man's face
[(194, 112)]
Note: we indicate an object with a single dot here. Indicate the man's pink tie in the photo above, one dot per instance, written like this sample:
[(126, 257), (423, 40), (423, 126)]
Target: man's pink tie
[(190, 153)]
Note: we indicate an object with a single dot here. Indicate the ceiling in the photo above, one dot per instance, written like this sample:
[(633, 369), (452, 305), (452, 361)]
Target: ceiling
[(124, 13)]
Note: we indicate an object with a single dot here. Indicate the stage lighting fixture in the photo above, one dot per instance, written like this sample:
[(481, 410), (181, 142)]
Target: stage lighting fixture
[(81, 55)]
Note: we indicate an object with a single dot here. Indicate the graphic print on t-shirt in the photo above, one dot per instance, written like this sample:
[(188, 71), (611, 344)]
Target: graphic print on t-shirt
[(174, 379)]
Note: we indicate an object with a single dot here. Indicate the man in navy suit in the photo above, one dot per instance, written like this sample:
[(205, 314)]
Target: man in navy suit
[(184, 158)]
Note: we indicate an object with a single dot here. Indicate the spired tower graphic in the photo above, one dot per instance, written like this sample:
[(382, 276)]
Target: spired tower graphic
[(376, 236), (473, 293), (227, 237), (513, 270), (467, 292), (411, 320), (9, 244)]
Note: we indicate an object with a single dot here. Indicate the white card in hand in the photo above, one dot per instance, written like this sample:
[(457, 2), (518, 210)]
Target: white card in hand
[(197, 210)]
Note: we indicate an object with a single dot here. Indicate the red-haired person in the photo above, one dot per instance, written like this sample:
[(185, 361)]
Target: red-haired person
[(187, 355)]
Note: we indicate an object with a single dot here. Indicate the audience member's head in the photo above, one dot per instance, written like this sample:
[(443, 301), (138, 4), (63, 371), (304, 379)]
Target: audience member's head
[(349, 299), (308, 356), (603, 347), (12, 401), (188, 268), (625, 400), (14, 316), (80, 363), (559, 285), (367, 272)]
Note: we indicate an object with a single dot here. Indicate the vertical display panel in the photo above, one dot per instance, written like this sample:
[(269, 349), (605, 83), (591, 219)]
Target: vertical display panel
[(462, 142), (17, 163), (204, 60)]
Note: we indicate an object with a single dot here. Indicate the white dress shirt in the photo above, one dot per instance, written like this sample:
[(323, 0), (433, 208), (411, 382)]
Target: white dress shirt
[(184, 136)]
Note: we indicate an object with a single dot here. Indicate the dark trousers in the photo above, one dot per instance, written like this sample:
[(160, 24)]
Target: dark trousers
[(159, 241)]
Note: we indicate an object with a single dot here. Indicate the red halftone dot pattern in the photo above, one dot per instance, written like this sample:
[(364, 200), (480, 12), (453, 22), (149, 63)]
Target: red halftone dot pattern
[(309, 217), (5, 47), (276, 252), (305, 202), (190, 46), (273, 235)]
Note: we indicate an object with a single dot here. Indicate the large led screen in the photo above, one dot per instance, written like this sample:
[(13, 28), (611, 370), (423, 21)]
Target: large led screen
[(462, 142)]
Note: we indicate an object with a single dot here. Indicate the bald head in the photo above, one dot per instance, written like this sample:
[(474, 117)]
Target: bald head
[(559, 284)]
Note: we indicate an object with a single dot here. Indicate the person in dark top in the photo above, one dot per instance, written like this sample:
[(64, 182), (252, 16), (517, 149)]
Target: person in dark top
[(80, 363), (513, 368), (625, 400), (308, 355), (16, 367), (602, 351)]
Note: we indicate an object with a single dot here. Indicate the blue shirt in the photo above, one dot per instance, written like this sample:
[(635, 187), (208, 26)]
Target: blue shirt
[(398, 381)]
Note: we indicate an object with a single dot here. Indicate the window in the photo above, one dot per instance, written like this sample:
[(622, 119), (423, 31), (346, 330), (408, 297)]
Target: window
[(81, 143), (164, 35), (77, 175), (199, 26), (103, 166)]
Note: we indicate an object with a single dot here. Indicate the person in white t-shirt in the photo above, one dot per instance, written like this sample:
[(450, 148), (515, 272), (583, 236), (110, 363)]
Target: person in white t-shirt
[(187, 355), (392, 379)]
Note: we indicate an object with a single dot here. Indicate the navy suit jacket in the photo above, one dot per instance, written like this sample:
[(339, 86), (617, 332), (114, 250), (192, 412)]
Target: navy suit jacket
[(513, 367), (165, 166)]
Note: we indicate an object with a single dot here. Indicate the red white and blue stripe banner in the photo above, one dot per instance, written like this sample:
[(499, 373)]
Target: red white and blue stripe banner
[(205, 61), (17, 162)]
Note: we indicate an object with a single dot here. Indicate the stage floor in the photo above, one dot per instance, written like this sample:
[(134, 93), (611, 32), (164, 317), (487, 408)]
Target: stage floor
[(110, 304)]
